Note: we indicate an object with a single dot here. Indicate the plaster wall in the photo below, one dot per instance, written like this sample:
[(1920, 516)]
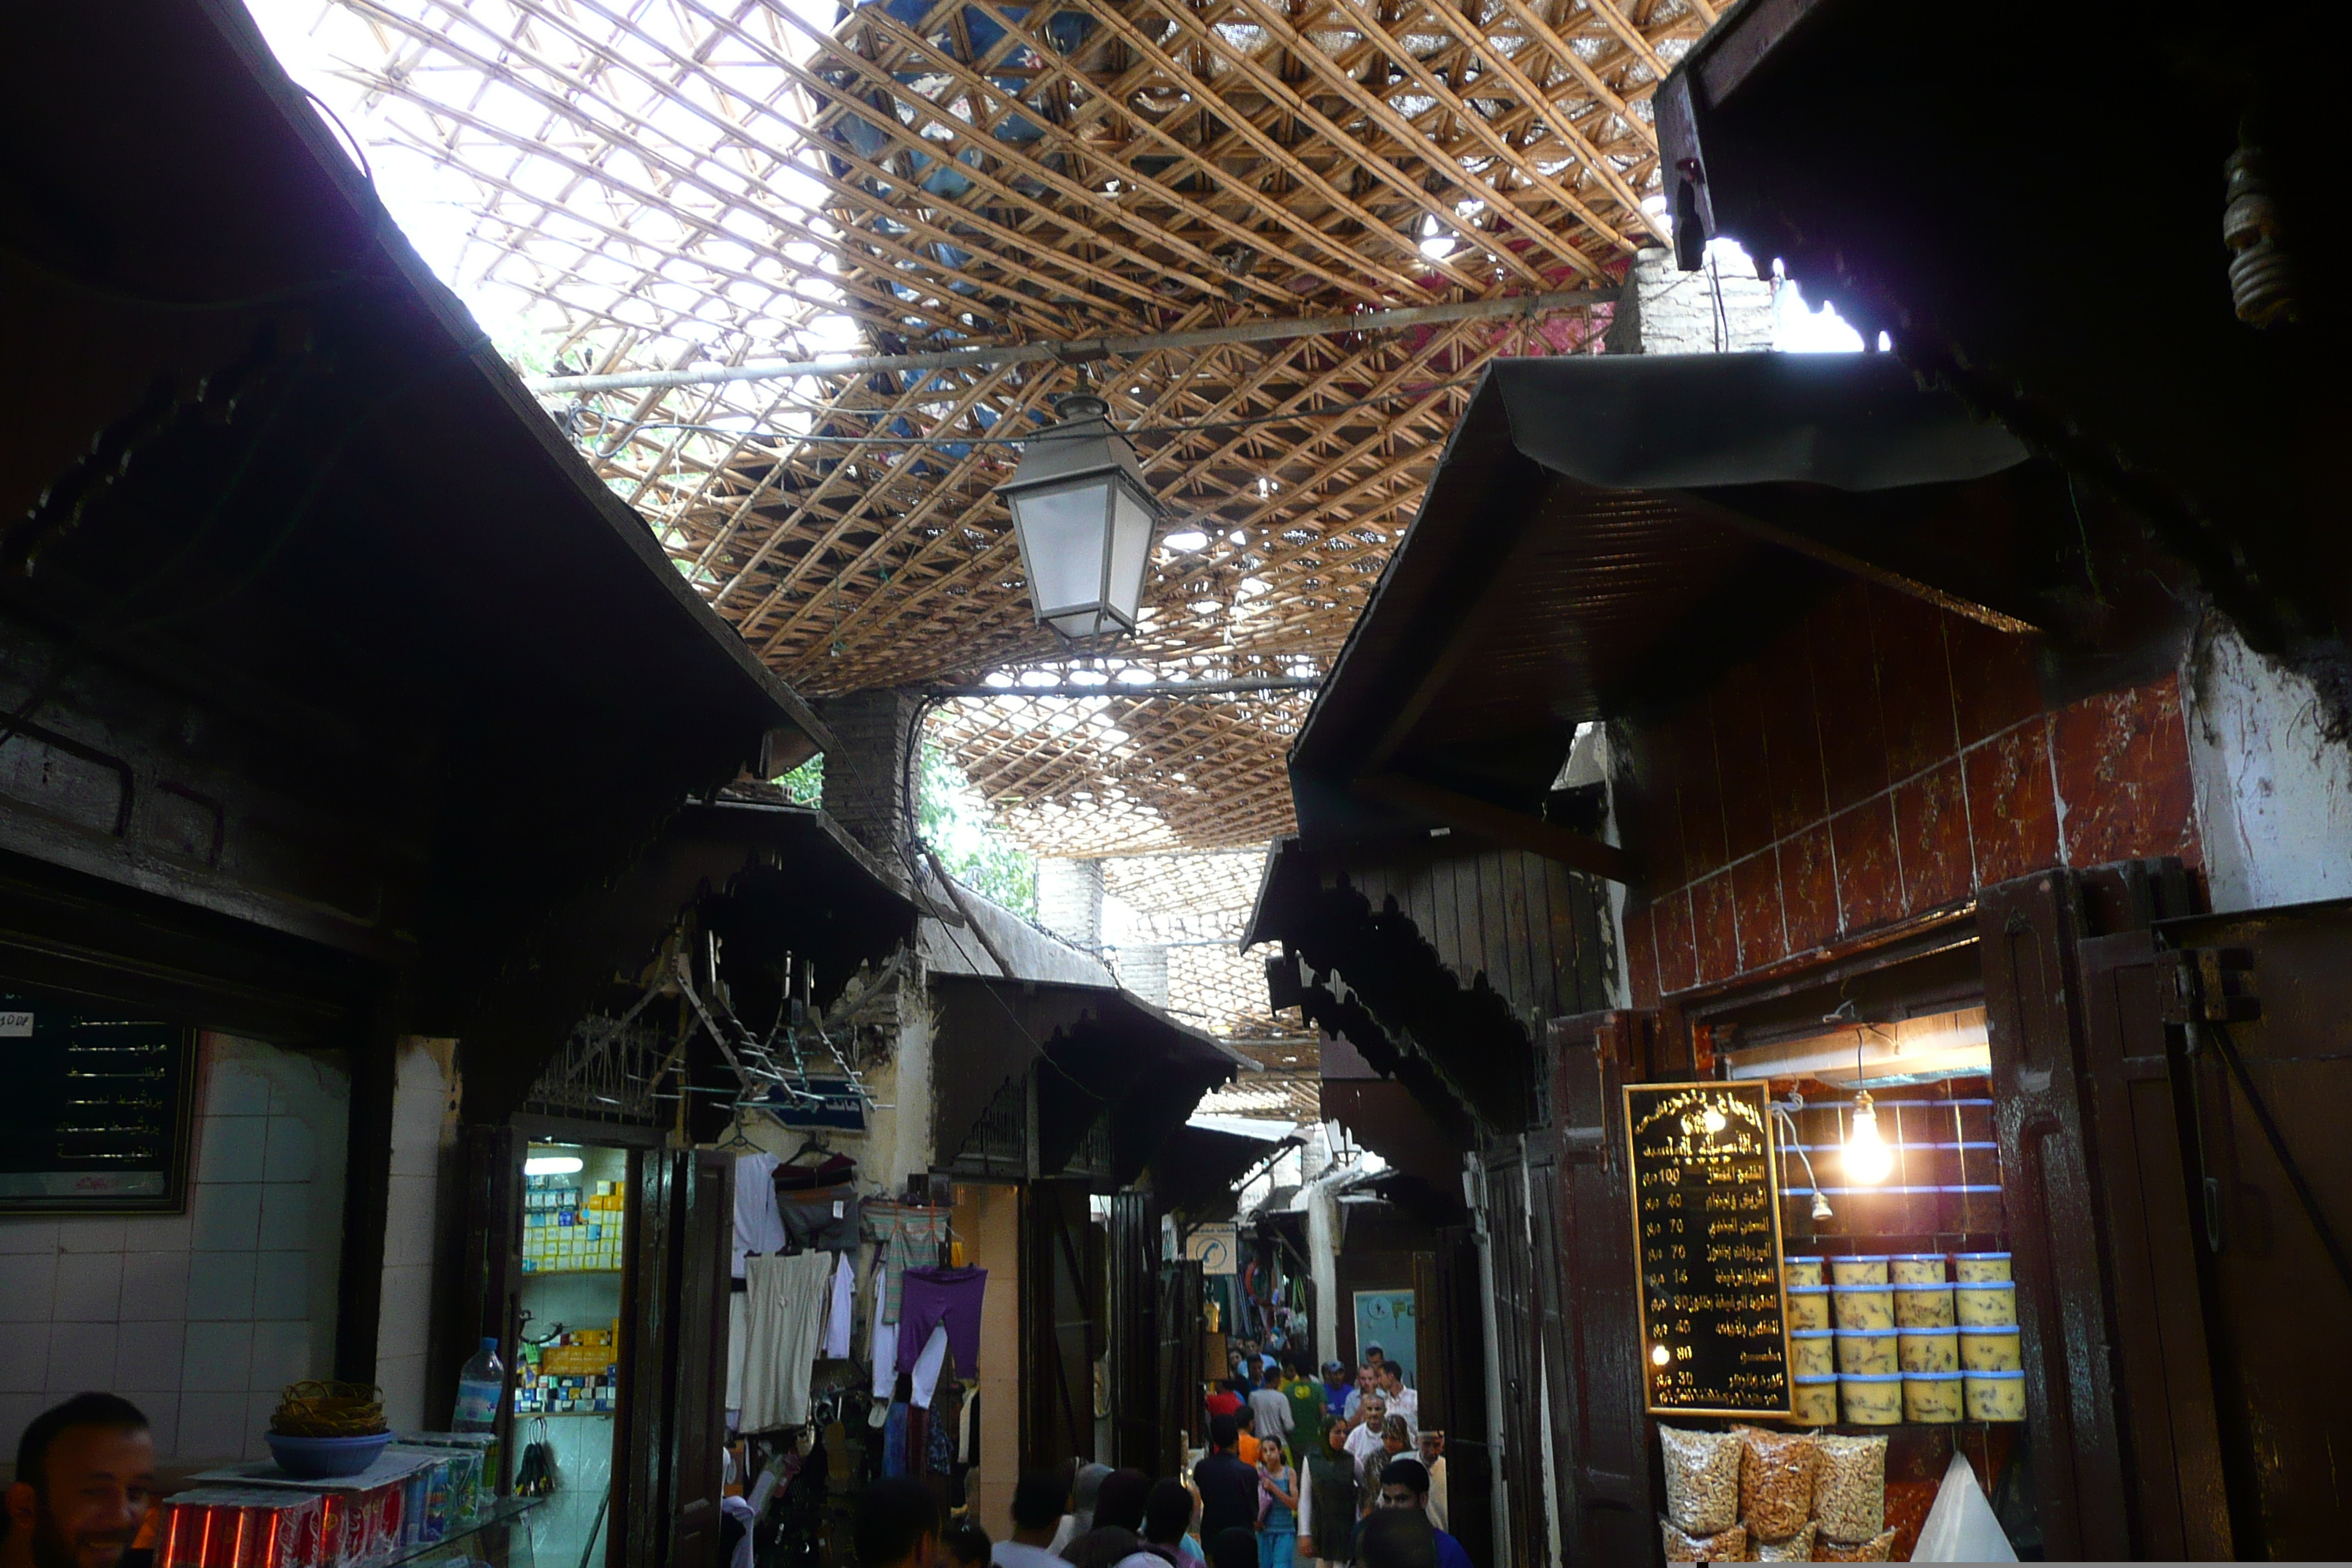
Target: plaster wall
[(424, 1132), (1666, 310), (2273, 789)]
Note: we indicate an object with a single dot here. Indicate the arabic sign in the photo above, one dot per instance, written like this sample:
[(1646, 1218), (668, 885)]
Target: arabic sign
[(95, 1118), (1706, 1225)]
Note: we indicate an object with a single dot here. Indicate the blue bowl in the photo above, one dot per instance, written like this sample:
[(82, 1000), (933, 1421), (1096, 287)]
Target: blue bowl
[(321, 1458)]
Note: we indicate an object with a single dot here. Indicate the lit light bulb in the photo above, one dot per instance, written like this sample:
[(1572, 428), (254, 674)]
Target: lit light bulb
[(1659, 1355), (1867, 1157), (552, 1164), (1712, 1120)]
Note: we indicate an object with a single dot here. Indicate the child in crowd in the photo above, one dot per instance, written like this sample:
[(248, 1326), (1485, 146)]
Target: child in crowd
[(1277, 1521)]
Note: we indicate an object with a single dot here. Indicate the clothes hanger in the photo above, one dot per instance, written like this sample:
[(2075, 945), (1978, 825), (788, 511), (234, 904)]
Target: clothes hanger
[(737, 1138)]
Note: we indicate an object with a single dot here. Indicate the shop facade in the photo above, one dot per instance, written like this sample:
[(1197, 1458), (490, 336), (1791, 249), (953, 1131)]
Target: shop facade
[(1789, 744)]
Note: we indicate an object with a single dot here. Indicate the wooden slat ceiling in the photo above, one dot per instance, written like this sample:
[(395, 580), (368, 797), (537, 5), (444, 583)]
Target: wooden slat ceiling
[(682, 181)]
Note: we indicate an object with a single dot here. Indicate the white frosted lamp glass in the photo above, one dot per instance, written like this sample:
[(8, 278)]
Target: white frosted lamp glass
[(1083, 518)]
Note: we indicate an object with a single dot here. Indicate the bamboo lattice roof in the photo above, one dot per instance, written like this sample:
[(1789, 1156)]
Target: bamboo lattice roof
[(678, 183)]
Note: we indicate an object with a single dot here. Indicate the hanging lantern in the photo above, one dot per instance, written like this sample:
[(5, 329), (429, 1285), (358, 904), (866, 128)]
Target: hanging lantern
[(1084, 519)]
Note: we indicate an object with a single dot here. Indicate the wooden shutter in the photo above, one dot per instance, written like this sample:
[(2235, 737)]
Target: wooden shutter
[(2030, 929), (1134, 1268), (1059, 1331), (667, 1463), (2180, 1497), (1581, 1222), (1518, 1358)]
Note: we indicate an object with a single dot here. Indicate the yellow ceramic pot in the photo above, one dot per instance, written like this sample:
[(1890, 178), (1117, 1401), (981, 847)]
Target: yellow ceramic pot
[(1977, 1268), (1867, 1270), (1811, 1352)]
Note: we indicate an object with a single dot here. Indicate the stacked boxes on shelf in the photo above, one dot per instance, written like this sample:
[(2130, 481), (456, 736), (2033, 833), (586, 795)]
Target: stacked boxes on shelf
[(410, 1496), (567, 1229), (575, 1376)]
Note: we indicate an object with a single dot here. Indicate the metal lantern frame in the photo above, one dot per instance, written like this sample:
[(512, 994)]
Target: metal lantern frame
[(1081, 456)]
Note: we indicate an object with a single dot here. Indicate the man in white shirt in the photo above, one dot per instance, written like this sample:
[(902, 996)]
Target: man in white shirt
[(1402, 1401), (1038, 1500), (1365, 1437)]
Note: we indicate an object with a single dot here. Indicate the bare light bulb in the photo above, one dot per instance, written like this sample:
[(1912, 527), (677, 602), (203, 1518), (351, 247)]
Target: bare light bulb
[(1712, 1120), (1867, 1158), (1660, 1355)]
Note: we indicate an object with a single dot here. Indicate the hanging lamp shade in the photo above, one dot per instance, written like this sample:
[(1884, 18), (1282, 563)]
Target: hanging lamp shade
[(1084, 519)]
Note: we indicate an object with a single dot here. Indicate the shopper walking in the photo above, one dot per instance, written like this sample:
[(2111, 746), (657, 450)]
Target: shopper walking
[(1327, 1498), (1278, 1529), (1404, 1484), (1270, 1407), (1228, 1488)]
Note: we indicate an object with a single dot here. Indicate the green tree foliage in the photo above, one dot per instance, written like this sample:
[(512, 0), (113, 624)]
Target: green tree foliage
[(955, 821)]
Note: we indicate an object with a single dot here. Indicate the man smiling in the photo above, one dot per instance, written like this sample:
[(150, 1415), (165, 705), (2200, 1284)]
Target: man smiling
[(85, 1472)]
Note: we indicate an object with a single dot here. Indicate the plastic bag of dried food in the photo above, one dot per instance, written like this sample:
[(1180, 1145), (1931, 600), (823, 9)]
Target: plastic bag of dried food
[(1798, 1547), (1874, 1550), (1775, 1481), (1702, 1479), (1723, 1546), (1850, 1488)]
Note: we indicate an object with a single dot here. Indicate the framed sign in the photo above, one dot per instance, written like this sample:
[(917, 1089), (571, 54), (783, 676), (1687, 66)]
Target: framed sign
[(1214, 1247), (95, 1115), (1707, 1228), (1389, 1319)]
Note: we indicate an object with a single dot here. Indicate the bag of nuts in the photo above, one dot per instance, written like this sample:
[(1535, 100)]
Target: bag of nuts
[(1775, 1481), (1723, 1546), (1874, 1550), (1702, 1479), (1850, 1488), (1798, 1547)]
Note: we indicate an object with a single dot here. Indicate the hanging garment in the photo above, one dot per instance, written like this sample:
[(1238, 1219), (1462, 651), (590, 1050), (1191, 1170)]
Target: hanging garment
[(758, 1227), (884, 1340), (737, 1338), (894, 1441), (822, 1221), (911, 1236), (951, 1297), (938, 1454), (839, 1315), (928, 1363), (784, 1312)]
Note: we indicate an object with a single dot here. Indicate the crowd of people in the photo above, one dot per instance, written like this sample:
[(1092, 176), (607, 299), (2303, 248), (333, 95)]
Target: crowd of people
[(1300, 1470)]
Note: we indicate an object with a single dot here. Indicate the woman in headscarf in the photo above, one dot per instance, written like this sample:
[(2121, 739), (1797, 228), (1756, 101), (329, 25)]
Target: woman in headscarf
[(1327, 1523), (1081, 1517)]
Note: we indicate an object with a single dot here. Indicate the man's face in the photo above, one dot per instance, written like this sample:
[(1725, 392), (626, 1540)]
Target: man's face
[(1336, 1379), (1364, 1380), (1391, 1378), (1393, 1495), (99, 1479), (1373, 1408)]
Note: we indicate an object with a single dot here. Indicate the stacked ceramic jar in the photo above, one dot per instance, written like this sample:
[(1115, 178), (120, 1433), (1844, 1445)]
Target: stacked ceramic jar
[(1910, 1343)]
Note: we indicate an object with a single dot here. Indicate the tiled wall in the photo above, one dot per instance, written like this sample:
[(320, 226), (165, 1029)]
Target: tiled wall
[(200, 1319), (1879, 760)]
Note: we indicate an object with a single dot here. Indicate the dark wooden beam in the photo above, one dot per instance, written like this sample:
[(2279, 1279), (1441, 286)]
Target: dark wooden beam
[(1501, 824)]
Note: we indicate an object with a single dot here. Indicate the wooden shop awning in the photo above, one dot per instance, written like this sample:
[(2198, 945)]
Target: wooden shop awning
[(1604, 531)]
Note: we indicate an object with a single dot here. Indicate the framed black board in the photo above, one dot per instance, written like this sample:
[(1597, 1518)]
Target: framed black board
[(1706, 1228), (94, 1109)]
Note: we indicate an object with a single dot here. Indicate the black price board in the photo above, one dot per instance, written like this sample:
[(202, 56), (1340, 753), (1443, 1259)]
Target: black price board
[(94, 1106), (1707, 1223)]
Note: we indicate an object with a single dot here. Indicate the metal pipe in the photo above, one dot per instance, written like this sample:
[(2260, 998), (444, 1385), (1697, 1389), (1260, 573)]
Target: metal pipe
[(1083, 350), (1156, 689)]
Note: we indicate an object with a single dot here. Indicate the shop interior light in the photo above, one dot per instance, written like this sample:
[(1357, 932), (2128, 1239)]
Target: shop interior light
[(1660, 1355), (550, 1165), (1084, 519), (1867, 1158)]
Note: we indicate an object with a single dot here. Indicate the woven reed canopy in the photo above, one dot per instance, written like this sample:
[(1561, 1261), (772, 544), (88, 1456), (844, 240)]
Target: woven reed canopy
[(686, 184)]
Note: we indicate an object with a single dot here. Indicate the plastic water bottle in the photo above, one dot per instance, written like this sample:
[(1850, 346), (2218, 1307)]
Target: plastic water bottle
[(481, 1383)]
